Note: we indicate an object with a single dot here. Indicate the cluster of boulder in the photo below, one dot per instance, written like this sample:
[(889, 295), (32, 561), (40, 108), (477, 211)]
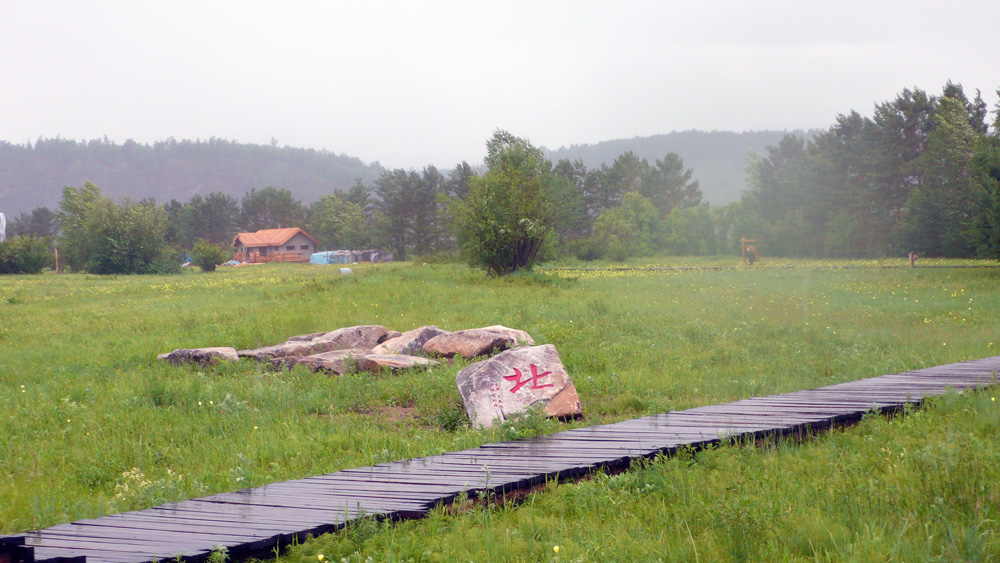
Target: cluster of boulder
[(517, 374)]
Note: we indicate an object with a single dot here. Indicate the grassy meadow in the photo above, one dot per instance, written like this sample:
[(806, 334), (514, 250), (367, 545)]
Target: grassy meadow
[(92, 423)]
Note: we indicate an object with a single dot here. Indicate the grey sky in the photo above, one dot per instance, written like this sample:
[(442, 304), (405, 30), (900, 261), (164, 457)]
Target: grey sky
[(416, 83)]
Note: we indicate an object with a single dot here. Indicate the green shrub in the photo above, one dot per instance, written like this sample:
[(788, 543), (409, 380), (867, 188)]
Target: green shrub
[(631, 229), (587, 249), (25, 255), (103, 236), (207, 255), (509, 214)]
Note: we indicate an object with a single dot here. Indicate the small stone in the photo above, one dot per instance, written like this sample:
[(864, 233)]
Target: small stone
[(469, 344), (515, 381)]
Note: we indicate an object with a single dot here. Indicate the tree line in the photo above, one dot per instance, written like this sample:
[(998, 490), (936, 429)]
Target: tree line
[(632, 207), (922, 175)]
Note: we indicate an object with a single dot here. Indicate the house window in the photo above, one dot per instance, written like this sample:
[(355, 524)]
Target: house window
[(290, 247), (304, 247), (263, 251)]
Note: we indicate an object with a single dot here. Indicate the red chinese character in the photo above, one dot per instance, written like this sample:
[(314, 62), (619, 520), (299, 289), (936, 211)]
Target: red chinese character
[(535, 376)]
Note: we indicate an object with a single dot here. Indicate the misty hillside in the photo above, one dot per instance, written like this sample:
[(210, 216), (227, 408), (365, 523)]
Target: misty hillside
[(718, 158), (34, 175)]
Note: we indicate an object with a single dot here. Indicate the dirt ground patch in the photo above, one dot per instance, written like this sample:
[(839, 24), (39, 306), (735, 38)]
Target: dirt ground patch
[(396, 414)]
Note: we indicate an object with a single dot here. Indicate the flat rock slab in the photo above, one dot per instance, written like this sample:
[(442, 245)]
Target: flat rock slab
[(203, 356), (515, 381), (357, 337), (410, 342), (363, 337), (469, 344), (300, 348), (343, 361), (307, 337), (337, 361), (399, 361)]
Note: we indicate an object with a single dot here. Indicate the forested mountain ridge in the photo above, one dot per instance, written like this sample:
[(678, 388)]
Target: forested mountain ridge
[(718, 158), (33, 175)]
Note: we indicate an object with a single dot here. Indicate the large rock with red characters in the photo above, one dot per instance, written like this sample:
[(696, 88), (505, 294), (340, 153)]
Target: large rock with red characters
[(517, 380)]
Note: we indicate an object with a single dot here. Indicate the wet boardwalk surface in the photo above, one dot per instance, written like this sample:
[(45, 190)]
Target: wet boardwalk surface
[(254, 521)]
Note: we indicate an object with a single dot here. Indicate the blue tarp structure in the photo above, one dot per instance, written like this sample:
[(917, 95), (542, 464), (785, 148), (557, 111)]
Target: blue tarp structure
[(331, 257), (349, 256)]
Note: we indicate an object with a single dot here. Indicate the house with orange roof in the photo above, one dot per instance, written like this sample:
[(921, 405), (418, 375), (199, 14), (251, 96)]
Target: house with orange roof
[(274, 245)]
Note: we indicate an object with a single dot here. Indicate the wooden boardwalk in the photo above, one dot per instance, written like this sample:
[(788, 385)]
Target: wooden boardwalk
[(254, 521)]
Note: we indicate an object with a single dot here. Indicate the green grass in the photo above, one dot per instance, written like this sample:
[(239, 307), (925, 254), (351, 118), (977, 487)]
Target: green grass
[(91, 423)]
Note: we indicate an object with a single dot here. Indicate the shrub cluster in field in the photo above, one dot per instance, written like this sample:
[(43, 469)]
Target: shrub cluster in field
[(207, 256), (87, 402), (24, 255)]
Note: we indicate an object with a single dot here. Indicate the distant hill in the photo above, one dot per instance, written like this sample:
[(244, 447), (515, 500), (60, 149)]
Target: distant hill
[(34, 175), (718, 158)]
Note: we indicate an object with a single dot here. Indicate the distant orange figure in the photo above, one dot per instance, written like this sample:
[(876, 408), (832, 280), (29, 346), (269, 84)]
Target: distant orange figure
[(749, 250), (913, 259)]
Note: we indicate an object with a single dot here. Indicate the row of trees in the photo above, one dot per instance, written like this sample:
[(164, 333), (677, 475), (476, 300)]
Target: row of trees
[(922, 174), (630, 207)]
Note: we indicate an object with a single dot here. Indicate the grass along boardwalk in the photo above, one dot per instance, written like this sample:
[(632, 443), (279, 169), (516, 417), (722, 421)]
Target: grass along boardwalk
[(255, 521)]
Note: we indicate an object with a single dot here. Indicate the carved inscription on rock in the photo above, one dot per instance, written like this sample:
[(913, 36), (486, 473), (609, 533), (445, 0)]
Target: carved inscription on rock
[(515, 381)]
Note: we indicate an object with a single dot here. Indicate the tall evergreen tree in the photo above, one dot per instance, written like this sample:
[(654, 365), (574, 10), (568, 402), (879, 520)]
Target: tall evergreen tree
[(940, 213), (270, 208)]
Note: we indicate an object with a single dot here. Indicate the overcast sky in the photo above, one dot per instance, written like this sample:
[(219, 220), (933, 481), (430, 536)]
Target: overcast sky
[(417, 83)]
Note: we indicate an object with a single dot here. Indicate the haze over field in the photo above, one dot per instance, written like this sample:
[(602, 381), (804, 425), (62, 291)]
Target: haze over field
[(411, 85)]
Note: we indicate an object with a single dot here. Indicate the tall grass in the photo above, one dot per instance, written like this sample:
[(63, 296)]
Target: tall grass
[(91, 423)]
